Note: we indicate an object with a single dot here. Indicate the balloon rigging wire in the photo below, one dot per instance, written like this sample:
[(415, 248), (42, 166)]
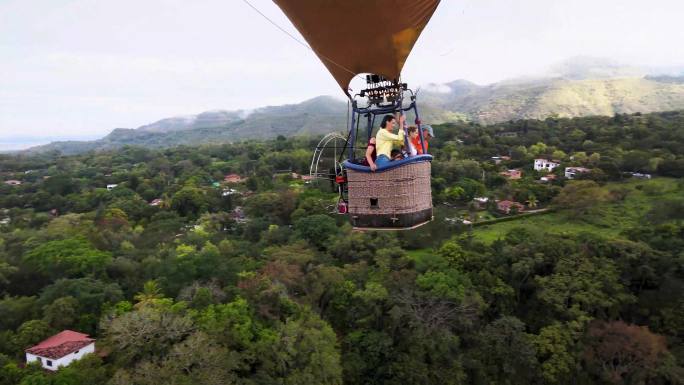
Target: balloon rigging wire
[(297, 40)]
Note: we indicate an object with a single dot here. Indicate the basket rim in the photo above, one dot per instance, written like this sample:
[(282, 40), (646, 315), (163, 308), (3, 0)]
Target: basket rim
[(391, 165)]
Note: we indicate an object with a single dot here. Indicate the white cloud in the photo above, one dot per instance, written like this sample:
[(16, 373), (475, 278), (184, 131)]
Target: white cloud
[(73, 67)]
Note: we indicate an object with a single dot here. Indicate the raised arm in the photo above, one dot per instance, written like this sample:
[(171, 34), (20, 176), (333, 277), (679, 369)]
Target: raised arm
[(369, 154)]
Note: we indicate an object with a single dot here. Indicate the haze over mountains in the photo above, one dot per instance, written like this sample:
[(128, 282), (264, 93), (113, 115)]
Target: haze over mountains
[(577, 87)]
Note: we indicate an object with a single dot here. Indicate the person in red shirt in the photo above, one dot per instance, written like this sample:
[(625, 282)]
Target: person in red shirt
[(371, 155), (427, 135)]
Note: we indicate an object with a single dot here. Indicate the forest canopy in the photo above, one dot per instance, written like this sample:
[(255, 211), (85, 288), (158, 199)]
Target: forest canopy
[(183, 275)]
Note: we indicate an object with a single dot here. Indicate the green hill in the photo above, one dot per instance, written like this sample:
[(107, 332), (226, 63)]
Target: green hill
[(538, 99), (577, 92)]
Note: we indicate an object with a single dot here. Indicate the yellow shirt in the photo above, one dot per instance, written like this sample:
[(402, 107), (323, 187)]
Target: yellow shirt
[(384, 141)]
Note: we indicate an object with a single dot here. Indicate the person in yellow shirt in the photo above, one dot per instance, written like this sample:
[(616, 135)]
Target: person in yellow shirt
[(385, 139)]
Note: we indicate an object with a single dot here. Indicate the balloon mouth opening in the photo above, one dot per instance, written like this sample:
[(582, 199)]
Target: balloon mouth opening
[(376, 90)]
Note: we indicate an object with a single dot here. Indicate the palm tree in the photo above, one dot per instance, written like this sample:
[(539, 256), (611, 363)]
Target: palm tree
[(150, 293), (531, 201), (165, 202)]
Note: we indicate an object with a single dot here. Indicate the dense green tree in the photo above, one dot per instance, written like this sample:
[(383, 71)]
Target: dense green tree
[(317, 229), (302, 351), (16, 310), (196, 360), (581, 286), (146, 332), (62, 313), (580, 197), (30, 333), (70, 257), (506, 354), (91, 294), (189, 201)]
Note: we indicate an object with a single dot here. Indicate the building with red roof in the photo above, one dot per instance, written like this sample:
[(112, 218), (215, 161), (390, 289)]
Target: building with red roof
[(511, 174), (61, 349), (573, 172), (506, 206), (233, 178)]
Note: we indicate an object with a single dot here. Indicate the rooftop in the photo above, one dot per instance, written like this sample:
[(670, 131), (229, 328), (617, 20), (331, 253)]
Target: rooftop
[(61, 344)]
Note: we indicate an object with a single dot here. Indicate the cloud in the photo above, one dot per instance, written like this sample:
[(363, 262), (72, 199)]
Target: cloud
[(81, 66)]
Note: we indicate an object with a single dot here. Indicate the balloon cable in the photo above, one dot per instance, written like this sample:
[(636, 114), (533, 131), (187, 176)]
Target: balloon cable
[(297, 40)]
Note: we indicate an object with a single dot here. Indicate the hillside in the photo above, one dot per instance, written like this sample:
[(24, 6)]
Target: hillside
[(315, 116), (538, 99), (578, 87)]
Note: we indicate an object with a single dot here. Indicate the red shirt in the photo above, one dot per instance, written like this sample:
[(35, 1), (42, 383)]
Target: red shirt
[(373, 155), (416, 144)]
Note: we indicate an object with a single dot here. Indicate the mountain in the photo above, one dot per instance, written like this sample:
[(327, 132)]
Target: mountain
[(576, 87), (318, 115), (540, 98)]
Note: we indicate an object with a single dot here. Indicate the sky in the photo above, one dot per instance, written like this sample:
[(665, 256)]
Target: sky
[(76, 69)]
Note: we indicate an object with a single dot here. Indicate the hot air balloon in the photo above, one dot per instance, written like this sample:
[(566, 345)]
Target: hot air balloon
[(372, 37)]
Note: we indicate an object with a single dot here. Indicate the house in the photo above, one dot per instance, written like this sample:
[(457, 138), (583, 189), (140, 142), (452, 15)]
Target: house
[(548, 178), (233, 178), (545, 164), (156, 202), (112, 186), (455, 221), (512, 174), (639, 175), (61, 349), (13, 182), (506, 206), (499, 159), (571, 172), (481, 202), (229, 191)]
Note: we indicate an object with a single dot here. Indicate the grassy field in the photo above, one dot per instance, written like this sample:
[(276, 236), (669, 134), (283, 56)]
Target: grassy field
[(609, 220)]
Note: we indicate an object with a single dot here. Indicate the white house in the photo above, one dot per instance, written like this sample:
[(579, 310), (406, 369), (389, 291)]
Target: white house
[(545, 164), (571, 172), (61, 349), (110, 187), (641, 176)]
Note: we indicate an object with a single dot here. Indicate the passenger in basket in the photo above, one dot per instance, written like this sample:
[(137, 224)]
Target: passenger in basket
[(397, 155), (385, 139), (428, 134), (414, 141), (371, 155)]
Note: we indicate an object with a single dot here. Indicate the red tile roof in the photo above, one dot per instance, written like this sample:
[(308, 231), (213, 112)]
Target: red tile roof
[(233, 178), (506, 205), (61, 344)]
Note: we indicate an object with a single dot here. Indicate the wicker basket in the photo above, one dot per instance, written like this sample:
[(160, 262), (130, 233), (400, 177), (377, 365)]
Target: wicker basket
[(400, 197)]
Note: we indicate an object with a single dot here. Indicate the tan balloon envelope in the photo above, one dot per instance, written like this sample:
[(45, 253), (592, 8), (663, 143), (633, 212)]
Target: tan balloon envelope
[(360, 36)]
